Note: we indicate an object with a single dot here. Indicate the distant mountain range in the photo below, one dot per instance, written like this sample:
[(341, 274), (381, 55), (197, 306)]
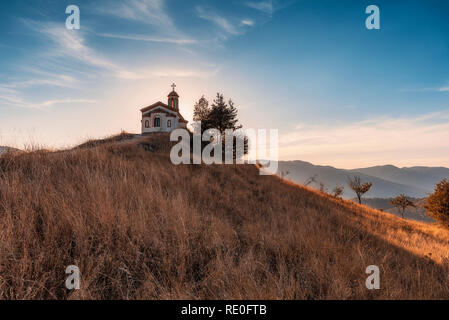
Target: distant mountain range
[(388, 181)]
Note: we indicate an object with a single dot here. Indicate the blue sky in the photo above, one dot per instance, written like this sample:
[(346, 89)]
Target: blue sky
[(338, 93)]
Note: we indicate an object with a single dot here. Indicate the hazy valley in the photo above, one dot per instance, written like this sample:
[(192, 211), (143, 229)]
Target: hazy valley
[(388, 181)]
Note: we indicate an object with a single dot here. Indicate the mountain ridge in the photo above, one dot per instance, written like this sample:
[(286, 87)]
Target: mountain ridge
[(388, 180)]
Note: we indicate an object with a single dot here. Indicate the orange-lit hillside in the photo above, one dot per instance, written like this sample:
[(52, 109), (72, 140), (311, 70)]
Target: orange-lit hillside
[(217, 232)]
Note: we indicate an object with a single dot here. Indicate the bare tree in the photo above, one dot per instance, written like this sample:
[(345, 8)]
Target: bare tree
[(338, 191), (323, 187), (358, 187), (401, 203), (310, 180)]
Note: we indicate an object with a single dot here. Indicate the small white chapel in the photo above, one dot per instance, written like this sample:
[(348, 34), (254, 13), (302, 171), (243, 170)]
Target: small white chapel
[(161, 117)]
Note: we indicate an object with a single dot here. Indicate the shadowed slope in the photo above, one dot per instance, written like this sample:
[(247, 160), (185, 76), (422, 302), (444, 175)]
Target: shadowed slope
[(140, 228)]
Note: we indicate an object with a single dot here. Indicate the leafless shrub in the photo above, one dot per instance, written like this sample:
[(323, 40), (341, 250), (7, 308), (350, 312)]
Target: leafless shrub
[(310, 180), (337, 192)]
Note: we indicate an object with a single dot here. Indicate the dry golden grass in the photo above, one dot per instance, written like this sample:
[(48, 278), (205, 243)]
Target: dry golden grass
[(140, 228)]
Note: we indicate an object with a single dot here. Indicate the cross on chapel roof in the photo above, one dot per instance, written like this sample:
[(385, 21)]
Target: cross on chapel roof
[(173, 93)]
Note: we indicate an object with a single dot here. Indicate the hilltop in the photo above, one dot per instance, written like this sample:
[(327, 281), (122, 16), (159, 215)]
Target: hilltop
[(139, 227), (5, 150)]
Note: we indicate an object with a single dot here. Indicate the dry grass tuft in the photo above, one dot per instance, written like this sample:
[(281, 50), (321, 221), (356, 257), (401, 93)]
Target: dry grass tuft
[(140, 228)]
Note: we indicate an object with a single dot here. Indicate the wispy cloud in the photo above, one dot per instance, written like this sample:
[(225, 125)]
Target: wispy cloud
[(269, 7), (73, 45), (149, 12), (149, 38), (263, 6), (145, 11), (55, 81), (428, 89), (50, 103), (15, 100), (154, 13), (65, 46), (10, 97), (67, 53), (220, 21), (169, 73), (248, 22)]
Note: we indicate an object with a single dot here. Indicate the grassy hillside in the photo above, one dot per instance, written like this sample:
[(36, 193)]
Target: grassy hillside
[(140, 228)]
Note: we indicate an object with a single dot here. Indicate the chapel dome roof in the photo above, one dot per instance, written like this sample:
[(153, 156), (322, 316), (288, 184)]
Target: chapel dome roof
[(173, 94)]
